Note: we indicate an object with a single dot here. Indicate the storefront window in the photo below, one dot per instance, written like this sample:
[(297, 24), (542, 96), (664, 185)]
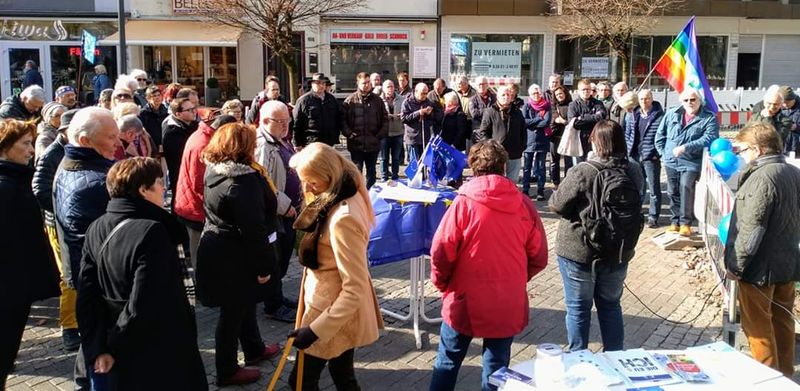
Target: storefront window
[(158, 64), (223, 68), (190, 68), (347, 60), (646, 53), (577, 59), (713, 54), (64, 67), (500, 57)]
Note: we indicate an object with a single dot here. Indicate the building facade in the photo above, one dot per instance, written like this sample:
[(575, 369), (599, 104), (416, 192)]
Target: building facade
[(742, 43)]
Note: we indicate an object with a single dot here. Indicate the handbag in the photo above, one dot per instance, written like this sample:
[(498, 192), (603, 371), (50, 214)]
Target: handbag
[(570, 144)]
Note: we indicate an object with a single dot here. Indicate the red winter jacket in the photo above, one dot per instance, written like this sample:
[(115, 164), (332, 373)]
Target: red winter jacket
[(189, 193), (489, 244)]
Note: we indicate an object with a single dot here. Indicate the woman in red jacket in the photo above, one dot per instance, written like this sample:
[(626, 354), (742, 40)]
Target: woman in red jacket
[(489, 244)]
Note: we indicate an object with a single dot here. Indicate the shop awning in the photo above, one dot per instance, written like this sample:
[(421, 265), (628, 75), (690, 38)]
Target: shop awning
[(175, 32)]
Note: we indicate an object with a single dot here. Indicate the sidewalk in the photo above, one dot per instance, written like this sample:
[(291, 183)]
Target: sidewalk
[(393, 363)]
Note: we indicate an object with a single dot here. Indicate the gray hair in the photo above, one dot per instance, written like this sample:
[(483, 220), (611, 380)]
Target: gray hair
[(126, 81), (691, 91), (33, 92), (100, 69), (481, 79), (532, 87), (773, 92), (130, 122), (137, 73), (644, 92), (463, 79), (86, 123), (451, 97)]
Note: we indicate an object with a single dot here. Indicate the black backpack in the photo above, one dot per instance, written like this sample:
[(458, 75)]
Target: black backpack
[(613, 221)]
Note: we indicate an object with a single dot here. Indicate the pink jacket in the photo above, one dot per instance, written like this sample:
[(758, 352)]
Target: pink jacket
[(489, 244), (189, 192)]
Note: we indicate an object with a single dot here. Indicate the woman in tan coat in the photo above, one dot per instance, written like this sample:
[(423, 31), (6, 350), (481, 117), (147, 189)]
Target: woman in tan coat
[(339, 307)]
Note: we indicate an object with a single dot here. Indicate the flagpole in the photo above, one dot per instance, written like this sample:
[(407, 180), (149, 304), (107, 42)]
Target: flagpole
[(647, 78), (80, 67)]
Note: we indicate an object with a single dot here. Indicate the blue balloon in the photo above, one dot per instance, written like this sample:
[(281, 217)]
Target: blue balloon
[(727, 163), (724, 225), (719, 145)]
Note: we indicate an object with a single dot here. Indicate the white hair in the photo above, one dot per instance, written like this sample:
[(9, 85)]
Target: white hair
[(773, 92), (33, 92), (86, 123), (137, 73), (532, 87), (451, 97), (481, 79), (100, 69), (271, 106), (387, 82), (502, 89), (126, 81), (644, 92), (691, 91), (130, 122), (463, 79)]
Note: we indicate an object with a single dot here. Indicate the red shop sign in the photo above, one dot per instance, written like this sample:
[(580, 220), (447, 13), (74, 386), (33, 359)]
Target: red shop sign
[(369, 36)]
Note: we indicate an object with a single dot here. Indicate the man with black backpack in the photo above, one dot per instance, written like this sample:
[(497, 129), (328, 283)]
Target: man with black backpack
[(600, 203)]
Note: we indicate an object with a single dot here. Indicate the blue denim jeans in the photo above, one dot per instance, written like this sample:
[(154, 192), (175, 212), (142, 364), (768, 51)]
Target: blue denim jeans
[(512, 169), (601, 287), (680, 188), (537, 160), (391, 149), (652, 183), (452, 350)]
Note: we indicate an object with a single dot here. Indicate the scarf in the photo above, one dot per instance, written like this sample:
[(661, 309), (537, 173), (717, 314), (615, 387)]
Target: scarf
[(542, 107), (314, 218), (450, 109), (263, 172)]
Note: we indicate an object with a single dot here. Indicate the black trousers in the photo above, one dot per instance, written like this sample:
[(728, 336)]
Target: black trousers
[(340, 368), (273, 298), (15, 316), (369, 159), (236, 325)]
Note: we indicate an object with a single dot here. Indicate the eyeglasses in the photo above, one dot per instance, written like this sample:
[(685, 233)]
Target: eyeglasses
[(123, 96), (692, 100), (279, 121), (191, 109), (738, 151)]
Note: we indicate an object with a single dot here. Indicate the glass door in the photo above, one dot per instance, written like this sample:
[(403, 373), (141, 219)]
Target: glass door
[(15, 68)]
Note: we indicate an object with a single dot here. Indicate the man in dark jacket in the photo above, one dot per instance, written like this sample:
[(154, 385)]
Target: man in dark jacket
[(366, 123), (769, 111), (791, 109), (272, 91), (761, 251), (586, 111), (553, 82), (504, 122), (317, 115), (43, 178), (478, 103), (24, 106), (32, 75), (153, 114), (421, 119), (79, 192), (180, 125), (440, 89), (640, 137)]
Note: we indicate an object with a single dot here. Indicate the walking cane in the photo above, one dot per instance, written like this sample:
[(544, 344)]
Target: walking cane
[(288, 348)]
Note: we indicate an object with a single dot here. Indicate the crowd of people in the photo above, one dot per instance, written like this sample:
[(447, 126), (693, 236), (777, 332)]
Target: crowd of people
[(102, 197)]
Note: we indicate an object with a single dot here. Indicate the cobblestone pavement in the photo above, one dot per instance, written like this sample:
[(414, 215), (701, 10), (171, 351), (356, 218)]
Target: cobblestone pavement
[(393, 362)]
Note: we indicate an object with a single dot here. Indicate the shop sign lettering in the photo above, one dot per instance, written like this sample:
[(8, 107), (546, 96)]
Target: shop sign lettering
[(33, 30), (184, 6), (497, 59), (369, 36)]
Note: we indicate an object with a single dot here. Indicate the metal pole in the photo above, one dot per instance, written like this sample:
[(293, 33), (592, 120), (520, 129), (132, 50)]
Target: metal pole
[(123, 50)]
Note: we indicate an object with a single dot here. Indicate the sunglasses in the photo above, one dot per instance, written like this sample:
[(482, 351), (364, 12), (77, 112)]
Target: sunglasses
[(141, 79), (123, 96), (692, 100)]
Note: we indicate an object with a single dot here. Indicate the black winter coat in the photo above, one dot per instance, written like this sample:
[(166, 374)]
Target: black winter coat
[(239, 239), (366, 122), (28, 269), (45, 175), (152, 120), (455, 129), (317, 119), (586, 114), (413, 123), (132, 302), (176, 134), (13, 108), (508, 129), (477, 107)]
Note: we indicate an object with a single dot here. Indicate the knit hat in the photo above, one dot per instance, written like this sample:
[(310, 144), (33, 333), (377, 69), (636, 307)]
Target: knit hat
[(787, 93), (628, 101), (63, 90), (49, 110)]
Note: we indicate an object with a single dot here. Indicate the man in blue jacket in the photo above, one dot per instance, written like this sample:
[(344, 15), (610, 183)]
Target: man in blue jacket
[(640, 135), (680, 140), (80, 195)]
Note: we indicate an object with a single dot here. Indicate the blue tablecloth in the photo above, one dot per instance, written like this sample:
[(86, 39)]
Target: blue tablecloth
[(404, 230)]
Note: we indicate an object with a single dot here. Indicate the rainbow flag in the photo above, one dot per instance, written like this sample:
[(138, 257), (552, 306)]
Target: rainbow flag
[(681, 66)]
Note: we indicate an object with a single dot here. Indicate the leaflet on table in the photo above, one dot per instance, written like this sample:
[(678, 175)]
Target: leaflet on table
[(732, 367), (401, 192), (682, 365), (583, 367), (501, 376), (639, 368)]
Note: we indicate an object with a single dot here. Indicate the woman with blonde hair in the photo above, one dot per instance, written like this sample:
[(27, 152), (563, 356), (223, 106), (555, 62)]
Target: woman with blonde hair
[(234, 108), (125, 108), (339, 307)]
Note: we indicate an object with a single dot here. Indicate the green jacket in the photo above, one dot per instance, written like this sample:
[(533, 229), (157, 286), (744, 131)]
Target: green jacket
[(781, 122), (764, 233)]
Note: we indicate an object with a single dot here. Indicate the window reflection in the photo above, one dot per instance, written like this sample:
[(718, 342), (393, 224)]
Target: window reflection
[(349, 59), (530, 58)]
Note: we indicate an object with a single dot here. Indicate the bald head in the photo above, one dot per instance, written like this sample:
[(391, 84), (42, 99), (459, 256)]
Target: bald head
[(421, 91), (94, 127), (275, 118)]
